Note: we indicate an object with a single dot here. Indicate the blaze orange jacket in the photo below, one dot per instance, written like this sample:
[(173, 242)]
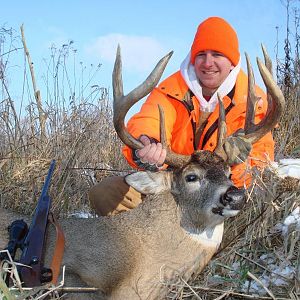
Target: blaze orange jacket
[(179, 123)]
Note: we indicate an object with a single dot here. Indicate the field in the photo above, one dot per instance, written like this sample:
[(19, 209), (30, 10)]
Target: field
[(259, 257)]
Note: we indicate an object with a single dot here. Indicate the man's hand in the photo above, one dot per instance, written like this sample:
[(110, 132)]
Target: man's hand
[(151, 153), (237, 149)]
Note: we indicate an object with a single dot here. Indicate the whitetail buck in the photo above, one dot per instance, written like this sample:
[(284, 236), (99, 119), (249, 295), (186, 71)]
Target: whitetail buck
[(177, 228)]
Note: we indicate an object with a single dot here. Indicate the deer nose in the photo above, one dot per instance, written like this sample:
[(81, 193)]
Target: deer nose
[(234, 197)]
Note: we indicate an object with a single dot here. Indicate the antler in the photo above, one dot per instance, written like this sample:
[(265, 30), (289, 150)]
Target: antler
[(276, 102), (222, 129), (123, 103)]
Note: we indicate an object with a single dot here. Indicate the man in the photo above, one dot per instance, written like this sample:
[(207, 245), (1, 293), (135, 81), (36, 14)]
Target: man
[(189, 100)]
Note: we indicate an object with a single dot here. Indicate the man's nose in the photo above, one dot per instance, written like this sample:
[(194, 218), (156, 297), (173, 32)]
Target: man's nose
[(208, 60)]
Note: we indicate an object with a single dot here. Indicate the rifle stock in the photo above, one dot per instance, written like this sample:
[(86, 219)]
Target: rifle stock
[(34, 273)]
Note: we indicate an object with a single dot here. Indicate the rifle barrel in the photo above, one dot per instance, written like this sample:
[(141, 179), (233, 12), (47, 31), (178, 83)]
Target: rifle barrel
[(48, 178), (33, 246)]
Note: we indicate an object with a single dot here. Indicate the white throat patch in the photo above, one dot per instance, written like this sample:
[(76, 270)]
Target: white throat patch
[(211, 237)]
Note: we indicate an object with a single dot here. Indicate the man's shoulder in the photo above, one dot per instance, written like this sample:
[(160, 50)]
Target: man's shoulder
[(174, 86)]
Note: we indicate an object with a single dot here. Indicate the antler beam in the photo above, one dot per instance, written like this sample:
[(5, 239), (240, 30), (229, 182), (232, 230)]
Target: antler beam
[(123, 103)]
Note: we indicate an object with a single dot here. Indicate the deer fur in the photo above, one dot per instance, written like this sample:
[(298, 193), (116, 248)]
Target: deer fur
[(138, 254)]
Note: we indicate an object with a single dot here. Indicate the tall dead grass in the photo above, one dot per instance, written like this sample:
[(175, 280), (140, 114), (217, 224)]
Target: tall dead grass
[(76, 131)]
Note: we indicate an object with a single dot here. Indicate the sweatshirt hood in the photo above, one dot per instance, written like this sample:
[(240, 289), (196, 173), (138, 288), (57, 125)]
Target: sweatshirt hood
[(188, 73)]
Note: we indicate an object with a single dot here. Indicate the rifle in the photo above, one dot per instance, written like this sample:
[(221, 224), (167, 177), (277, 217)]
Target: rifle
[(32, 271)]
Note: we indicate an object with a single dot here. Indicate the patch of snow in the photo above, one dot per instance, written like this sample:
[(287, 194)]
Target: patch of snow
[(81, 215), (291, 222), (279, 276), (287, 167)]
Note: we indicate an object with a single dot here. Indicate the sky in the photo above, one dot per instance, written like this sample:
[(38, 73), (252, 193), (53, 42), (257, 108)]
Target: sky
[(145, 30)]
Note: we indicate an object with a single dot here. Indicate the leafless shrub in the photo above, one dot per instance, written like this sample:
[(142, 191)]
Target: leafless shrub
[(288, 75), (78, 132)]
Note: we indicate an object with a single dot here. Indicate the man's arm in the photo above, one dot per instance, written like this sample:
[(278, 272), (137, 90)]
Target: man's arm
[(145, 126)]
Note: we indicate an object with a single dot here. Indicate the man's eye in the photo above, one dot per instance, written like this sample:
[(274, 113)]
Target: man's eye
[(216, 54), (191, 178)]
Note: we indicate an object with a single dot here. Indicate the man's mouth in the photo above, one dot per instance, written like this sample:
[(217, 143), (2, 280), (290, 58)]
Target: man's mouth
[(209, 72)]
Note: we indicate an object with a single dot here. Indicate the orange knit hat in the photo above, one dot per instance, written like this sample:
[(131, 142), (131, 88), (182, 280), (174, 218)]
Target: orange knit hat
[(216, 34)]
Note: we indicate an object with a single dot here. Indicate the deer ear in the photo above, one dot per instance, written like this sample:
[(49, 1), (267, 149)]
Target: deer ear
[(150, 182)]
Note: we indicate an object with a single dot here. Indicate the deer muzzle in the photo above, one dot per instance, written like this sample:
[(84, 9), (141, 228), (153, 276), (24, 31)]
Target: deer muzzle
[(234, 197), (232, 201)]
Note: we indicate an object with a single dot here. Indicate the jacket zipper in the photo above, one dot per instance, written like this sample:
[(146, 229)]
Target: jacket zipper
[(213, 127)]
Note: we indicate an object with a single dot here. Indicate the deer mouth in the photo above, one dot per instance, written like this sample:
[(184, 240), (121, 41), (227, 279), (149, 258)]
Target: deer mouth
[(231, 202), (225, 212)]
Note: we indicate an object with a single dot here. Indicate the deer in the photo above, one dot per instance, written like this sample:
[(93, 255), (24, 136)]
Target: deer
[(178, 227)]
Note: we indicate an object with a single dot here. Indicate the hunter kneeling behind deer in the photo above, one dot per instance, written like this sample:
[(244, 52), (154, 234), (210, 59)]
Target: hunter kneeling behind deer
[(187, 189), (185, 193), (189, 99)]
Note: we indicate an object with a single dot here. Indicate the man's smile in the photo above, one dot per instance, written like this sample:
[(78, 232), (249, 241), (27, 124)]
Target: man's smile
[(209, 72)]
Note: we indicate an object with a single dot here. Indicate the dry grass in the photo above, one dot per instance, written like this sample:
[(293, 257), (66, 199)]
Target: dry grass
[(81, 141), (287, 134), (79, 135), (76, 130)]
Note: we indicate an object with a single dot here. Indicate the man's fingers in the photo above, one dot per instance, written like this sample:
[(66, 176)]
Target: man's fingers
[(145, 140), (142, 152), (150, 155), (154, 153), (146, 153), (162, 157)]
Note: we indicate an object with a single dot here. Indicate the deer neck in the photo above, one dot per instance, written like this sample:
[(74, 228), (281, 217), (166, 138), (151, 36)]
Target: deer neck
[(208, 237), (169, 220)]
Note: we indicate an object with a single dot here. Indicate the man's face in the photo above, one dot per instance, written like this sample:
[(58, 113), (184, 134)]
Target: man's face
[(211, 68)]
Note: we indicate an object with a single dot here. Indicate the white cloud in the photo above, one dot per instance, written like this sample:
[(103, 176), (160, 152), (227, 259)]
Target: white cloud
[(58, 37), (139, 53)]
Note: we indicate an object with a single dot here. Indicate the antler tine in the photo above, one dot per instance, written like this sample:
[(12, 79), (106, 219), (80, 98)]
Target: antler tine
[(276, 104), (172, 158), (268, 64), (117, 76), (123, 103), (222, 129), (252, 98), (163, 134), (268, 61)]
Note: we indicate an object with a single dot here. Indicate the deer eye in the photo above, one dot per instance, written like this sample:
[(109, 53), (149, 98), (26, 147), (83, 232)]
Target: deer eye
[(191, 178)]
